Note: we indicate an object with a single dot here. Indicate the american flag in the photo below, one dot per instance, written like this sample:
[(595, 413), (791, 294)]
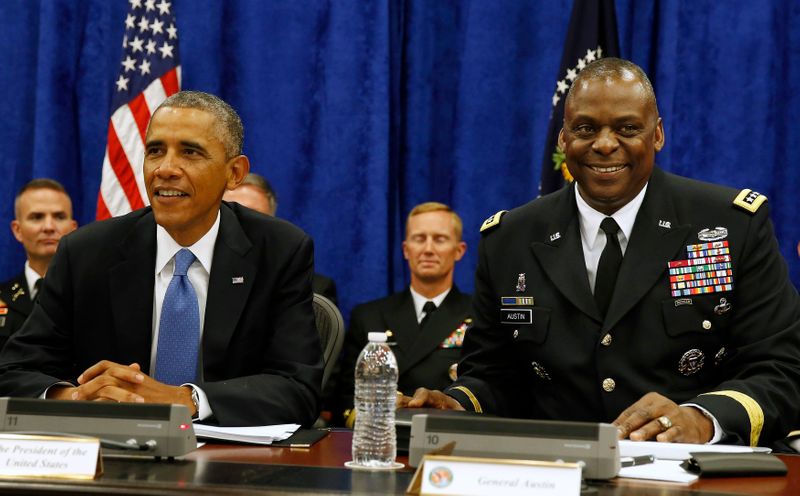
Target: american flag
[(149, 72)]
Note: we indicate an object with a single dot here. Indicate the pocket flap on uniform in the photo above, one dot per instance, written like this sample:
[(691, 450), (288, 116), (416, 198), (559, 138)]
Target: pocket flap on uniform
[(686, 315)]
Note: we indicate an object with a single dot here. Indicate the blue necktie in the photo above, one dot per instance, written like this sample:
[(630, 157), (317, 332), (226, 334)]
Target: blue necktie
[(179, 327)]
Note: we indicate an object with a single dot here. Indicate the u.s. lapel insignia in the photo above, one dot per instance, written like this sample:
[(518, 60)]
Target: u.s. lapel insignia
[(665, 224), (715, 234), (521, 283), (691, 362), (555, 236), (723, 307), (237, 280)]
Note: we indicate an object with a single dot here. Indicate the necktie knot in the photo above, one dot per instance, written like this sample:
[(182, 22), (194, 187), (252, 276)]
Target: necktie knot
[(183, 259), (38, 284), (429, 307), (609, 226)]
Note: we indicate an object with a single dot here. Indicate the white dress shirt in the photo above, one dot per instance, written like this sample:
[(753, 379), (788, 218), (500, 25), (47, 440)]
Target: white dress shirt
[(198, 274), (593, 239), (419, 302), (31, 276)]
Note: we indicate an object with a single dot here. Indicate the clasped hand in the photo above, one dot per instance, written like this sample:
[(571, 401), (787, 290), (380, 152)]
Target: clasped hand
[(109, 381)]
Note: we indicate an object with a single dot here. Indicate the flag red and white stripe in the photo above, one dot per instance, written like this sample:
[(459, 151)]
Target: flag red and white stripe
[(149, 73)]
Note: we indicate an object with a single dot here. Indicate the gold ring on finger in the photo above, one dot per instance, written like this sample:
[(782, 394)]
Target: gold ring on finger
[(665, 422)]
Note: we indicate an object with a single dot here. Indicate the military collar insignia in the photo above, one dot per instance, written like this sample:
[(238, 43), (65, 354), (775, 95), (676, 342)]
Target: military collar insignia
[(665, 224)]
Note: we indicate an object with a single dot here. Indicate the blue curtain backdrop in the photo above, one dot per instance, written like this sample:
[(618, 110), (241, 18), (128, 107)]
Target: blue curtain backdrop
[(357, 110)]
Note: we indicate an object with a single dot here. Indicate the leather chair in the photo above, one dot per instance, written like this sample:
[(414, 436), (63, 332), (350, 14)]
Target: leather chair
[(330, 326)]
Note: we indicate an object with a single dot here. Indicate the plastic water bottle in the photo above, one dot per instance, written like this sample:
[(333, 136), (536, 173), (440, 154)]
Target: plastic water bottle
[(374, 439)]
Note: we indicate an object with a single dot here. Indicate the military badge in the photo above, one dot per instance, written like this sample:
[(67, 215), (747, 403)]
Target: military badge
[(521, 283), (720, 356), (691, 362), (723, 307), (715, 234), (540, 371)]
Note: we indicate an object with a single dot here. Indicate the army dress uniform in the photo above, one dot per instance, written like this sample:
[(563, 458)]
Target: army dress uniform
[(703, 312), (425, 357), (15, 306)]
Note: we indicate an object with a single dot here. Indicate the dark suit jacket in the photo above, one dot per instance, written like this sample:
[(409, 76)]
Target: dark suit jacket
[(421, 359), (15, 306), (324, 286), (261, 355), (735, 353)]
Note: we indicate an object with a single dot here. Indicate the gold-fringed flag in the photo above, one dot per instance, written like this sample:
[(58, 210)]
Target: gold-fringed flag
[(592, 34)]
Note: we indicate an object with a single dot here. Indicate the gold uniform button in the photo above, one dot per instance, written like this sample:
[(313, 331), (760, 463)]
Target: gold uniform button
[(706, 325), (609, 385), (606, 341)]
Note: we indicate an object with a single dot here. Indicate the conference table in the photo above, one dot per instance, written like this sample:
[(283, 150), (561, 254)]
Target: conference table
[(246, 469)]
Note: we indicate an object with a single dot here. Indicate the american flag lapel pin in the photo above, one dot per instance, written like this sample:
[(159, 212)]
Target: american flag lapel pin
[(237, 280)]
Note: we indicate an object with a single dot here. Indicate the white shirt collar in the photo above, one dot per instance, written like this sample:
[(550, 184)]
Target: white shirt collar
[(419, 301), (31, 276), (203, 249), (590, 218)]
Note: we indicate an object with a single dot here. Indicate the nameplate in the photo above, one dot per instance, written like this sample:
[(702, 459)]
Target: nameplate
[(24, 455), (468, 476)]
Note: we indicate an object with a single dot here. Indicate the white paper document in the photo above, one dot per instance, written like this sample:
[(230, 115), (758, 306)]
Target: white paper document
[(679, 451), (262, 434), (660, 470)]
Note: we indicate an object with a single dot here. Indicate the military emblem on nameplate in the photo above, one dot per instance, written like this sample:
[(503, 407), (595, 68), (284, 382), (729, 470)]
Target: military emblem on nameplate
[(691, 362), (521, 283), (706, 269)]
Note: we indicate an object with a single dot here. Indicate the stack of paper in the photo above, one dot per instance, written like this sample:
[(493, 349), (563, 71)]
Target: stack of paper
[(263, 434)]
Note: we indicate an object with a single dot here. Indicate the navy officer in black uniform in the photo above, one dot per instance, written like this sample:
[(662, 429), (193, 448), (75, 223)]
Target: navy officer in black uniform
[(427, 321), (676, 321), (42, 215)]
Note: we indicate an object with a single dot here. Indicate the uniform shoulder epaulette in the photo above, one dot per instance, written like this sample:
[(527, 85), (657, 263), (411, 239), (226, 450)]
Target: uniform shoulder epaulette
[(749, 200), (492, 221)]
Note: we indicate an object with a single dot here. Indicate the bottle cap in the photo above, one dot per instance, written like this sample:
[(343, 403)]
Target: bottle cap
[(377, 337)]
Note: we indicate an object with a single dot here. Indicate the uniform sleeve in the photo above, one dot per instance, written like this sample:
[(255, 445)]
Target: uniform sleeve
[(757, 403)]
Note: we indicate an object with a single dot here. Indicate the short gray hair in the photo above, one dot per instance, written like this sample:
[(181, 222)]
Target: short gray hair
[(613, 68), (228, 120)]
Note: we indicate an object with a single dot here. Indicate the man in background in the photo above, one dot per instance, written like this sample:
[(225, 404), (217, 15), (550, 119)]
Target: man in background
[(256, 192), (425, 323), (43, 214)]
